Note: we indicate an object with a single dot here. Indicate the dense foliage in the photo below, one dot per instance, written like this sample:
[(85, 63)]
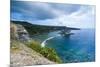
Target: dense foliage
[(45, 51)]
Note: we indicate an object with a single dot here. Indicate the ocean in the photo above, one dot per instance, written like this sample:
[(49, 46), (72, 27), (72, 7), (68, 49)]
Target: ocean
[(79, 47)]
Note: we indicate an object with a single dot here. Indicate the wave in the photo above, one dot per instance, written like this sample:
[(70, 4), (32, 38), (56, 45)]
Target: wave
[(44, 42)]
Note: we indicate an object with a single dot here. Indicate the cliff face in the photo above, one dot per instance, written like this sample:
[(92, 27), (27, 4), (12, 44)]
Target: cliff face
[(18, 32), (21, 54)]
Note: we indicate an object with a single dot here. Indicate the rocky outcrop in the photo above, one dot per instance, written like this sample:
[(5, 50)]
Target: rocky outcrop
[(19, 32)]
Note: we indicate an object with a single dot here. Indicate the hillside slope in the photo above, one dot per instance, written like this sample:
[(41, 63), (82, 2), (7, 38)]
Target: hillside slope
[(21, 55)]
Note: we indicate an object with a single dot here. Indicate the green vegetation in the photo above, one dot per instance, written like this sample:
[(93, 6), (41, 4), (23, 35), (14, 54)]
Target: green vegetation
[(45, 51), (15, 46), (39, 29), (48, 53)]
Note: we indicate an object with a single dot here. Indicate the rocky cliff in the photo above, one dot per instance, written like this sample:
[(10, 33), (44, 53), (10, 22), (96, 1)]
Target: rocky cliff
[(21, 54), (18, 32)]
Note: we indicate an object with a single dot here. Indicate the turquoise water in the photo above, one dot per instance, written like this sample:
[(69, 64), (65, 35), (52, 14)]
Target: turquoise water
[(79, 47)]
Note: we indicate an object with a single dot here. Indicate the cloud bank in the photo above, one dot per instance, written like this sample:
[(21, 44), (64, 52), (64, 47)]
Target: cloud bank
[(71, 15)]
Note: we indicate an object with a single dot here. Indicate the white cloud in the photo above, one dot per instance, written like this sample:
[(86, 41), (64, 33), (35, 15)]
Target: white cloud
[(84, 18), (71, 15)]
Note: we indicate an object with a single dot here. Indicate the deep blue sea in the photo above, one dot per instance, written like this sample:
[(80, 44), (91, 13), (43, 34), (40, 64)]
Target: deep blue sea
[(79, 47)]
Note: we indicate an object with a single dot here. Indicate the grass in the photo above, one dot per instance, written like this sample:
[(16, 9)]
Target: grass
[(14, 46), (45, 51)]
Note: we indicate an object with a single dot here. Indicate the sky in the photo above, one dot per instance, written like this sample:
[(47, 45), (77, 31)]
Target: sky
[(57, 14)]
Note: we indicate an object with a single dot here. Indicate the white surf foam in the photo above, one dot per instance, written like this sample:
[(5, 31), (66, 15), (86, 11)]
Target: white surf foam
[(44, 42)]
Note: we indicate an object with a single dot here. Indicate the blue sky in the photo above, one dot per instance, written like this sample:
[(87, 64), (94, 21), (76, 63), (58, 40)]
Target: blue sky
[(71, 15)]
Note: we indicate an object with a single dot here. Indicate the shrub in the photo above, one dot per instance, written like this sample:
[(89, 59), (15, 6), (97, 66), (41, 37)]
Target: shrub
[(45, 51)]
